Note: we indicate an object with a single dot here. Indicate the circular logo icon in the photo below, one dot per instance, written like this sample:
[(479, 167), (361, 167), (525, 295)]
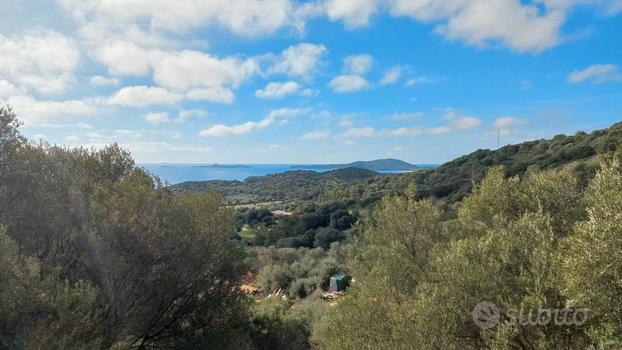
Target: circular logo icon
[(486, 315)]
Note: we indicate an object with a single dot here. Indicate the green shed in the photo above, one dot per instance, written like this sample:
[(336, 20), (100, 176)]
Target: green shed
[(339, 282)]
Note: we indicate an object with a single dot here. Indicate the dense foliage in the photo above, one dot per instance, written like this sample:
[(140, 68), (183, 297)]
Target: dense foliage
[(94, 253), (542, 241), (314, 226), (295, 185)]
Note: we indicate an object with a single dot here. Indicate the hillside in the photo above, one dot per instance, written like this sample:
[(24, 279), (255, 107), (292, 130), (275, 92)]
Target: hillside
[(388, 164), (453, 180), (295, 184)]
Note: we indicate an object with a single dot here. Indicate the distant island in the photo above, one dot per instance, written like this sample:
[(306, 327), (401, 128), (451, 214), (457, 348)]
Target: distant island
[(216, 165), (388, 164)]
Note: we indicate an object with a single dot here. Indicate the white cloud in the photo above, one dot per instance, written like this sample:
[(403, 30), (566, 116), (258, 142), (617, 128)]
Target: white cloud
[(505, 122), (242, 17), (418, 80), (35, 112), (124, 58), (316, 135), (299, 60), (466, 123), (140, 96), (201, 75), (215, 94), (360, 132), (287, 112), (598, 73), (157, 118), (355, 13), (8, 89), (98, 80), (454, 123), (221, 130), (358, 64), (348, 83), (519, 26), (185, 69), (43, 61), (391, 75), (407, 131), (275, 90)]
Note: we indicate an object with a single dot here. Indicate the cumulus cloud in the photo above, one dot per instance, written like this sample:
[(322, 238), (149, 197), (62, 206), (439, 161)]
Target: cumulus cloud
[(216, 94), (358, 64), (181, 70), (141, 96), (465, 123), (124, 58), (221, 130), (157, 118), (34, 112), (525, 26), (598, 73), (391, 75), (275, 90), (348, 83), (407, 131), (316, 135), (243, 17), (520, 26), (8, 89), (299, 60), (98, 80), (201, 75), (43, 61), (354, 13)]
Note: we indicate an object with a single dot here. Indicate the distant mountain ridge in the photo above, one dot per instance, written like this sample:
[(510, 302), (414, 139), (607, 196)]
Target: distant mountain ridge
[(388, 164)]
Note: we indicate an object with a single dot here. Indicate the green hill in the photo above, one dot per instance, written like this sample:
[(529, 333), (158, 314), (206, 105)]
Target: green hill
[(388, 164), (454, 179), (295, 184), (451, 181)]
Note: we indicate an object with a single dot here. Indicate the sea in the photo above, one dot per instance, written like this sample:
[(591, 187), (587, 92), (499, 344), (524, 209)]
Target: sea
[(176, 173)]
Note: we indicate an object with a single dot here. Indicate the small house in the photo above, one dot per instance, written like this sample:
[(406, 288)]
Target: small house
[(339, 283)]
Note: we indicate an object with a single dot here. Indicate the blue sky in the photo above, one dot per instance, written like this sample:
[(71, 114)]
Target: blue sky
[(281, 81)]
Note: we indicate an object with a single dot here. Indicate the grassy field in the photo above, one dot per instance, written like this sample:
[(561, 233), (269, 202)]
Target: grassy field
[(247, 234)]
